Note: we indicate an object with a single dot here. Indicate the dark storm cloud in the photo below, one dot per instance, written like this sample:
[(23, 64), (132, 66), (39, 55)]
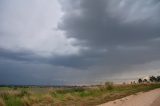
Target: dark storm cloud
[(128, 34), (13, 72), (19, 56), (91, 21), (84, 60)]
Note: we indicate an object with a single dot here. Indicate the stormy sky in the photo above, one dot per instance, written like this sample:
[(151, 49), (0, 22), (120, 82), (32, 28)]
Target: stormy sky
[(60, 42)]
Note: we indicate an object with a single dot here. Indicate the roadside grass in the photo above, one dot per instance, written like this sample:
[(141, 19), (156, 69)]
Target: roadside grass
[(72, 96), (2, 103), (13, 101)]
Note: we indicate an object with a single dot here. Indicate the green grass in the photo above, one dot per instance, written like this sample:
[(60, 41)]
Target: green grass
[(13, 101), (78, 96)]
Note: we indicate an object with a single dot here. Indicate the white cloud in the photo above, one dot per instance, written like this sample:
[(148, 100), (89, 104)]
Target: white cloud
[(31, 25)]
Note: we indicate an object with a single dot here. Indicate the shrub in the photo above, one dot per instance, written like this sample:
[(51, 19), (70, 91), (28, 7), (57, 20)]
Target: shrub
[(4, 95), (15, 88), (78, 89), (109, 85), (69, 90), (23, 93)]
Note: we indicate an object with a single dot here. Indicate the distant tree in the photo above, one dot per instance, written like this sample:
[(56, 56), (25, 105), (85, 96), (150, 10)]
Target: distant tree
[(158, 78), (145, 80), (153, 79), (124, 83), (134, 82), (140, 80)]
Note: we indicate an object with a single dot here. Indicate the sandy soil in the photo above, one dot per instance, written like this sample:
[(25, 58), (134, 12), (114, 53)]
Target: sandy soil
[(151, 98), (156, 102)]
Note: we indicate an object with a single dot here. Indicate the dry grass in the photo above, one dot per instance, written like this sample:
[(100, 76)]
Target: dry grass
[(2, 103), (26, 101), (47, 99), (34, 100), (69, 97), (79, 96)]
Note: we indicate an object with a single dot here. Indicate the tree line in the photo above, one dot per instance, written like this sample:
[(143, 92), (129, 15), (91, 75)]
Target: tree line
[(151, 79)]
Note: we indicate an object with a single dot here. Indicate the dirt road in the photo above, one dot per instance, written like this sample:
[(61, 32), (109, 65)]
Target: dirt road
[(151, 98)]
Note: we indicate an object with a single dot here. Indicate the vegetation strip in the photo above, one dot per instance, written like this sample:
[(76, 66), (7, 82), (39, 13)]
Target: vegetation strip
[(76, 96)]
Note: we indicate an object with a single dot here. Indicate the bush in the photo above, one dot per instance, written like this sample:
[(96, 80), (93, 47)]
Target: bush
[(78, 89), (70, 90), (4, 95), (23, 93), (109, 85)]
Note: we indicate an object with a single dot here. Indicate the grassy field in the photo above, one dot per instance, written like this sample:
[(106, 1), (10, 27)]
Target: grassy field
[(68, 96)]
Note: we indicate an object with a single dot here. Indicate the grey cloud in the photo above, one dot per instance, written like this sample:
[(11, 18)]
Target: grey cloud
[(98, 27), (81, 61), (16, 72), (84, 60), (23, 56), (13, 72), (13, 55), (92, 21), (109, 39), (117, 36)]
